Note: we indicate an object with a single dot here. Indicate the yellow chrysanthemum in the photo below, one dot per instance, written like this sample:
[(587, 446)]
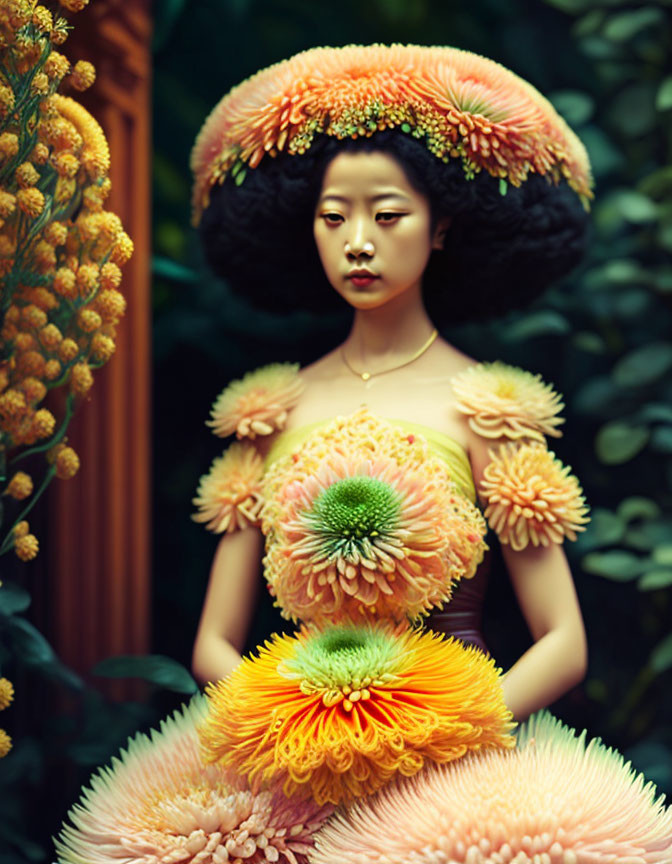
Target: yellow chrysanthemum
[(102, 347), (26, 175), (20, 486), (5, 743), (83, 75), (531, 497), (258, 403), (67, 463), (6, 693), (337, 714), (462, 105), (229, 497), (81, 380), (65, 283), (27, 547), (505, 401), (31, 201)]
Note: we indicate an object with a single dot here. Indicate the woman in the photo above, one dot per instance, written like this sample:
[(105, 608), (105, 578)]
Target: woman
[(389, 189), (387, 218)]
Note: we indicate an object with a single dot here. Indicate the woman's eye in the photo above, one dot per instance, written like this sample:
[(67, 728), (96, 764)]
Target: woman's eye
[(332, 218), (387, 217)]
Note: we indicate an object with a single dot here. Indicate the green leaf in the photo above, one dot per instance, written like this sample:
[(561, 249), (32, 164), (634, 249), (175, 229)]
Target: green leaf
[(503, 186), (591, 343), (663, 554), (618, 442), (13, 598), (575, 106), (596, 396), (654, 580), (543, 323), (29, 644), (643, 365), (606, 528), (655, 412), (156, 668), (664, 95), (572, 7), (633, 206), (649, 535), (661, 439), (169, 269), (638, 507), (624, 25), (618, 565), (661, 656)]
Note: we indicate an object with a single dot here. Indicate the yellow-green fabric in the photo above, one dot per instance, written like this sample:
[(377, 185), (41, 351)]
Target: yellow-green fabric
[(445, 447)]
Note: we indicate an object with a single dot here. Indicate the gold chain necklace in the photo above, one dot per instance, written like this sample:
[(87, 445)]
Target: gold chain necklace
[(366, 375)]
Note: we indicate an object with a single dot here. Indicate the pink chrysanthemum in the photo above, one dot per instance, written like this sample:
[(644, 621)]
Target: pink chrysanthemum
[(505, 401), (532, 497), (367, 534), (554, 800), (229, 496), (159, 802), (258, 403), (462, 105)]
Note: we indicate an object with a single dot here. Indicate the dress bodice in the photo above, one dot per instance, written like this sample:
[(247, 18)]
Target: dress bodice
[(462, 615)]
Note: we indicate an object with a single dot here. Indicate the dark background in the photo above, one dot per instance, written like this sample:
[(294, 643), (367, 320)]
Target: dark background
[(603, 337)]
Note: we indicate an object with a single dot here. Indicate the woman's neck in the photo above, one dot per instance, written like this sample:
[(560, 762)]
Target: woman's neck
[(391, 331)]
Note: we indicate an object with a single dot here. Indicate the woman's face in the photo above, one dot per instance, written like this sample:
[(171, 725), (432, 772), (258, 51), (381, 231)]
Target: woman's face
[(372, 229)]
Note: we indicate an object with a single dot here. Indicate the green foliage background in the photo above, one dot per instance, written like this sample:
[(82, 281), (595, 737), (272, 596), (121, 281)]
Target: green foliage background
[(603, 337)]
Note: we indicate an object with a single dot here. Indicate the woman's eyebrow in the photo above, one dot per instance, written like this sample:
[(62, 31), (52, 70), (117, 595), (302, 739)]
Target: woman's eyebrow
[(329, 196)]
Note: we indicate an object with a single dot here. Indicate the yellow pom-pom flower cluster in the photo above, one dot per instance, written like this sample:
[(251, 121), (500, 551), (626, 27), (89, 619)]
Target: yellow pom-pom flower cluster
[(531, 497), (60, 250)]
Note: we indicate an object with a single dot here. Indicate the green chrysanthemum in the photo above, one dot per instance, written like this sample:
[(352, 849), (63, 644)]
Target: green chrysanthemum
[(349, 514), (344, 662)]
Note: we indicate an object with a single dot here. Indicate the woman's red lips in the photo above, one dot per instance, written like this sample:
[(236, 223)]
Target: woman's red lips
[(361, 278)]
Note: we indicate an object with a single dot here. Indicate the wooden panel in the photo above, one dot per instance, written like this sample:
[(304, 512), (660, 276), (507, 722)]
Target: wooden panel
[(98, 538)]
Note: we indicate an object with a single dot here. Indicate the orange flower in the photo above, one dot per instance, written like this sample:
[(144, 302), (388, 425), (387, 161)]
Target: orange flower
[(102, 347), (26, 175), (460, 104), (110, 305), (257, 404), (338, 714), (68, 350), (505, 401), (531, 497), (229, 496)]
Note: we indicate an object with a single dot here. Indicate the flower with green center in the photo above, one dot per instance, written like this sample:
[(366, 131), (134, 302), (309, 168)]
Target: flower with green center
[(357, 537), (336, 714)]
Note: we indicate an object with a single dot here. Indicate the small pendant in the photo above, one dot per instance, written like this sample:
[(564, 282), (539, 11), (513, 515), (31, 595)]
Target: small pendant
[(366, 376)]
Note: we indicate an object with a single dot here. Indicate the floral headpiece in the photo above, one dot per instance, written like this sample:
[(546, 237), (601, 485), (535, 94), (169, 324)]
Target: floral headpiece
[(460, 104)]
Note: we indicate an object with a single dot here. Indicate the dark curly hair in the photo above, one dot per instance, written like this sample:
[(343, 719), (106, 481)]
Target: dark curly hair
[(500, 252)]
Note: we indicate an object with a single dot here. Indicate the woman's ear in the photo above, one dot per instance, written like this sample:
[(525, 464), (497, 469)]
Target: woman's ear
[(440, 232)]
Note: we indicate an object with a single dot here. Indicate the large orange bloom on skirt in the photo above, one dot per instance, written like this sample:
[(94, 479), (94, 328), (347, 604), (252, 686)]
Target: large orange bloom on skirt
[(338, 714)]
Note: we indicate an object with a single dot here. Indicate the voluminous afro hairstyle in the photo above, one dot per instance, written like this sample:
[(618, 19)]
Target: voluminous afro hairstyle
[(500, 252)]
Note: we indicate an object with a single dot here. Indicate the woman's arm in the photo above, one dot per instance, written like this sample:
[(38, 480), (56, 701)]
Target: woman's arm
[(545, 590), (229, 601)]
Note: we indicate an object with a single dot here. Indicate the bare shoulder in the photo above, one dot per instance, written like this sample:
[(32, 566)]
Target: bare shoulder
[(322, 369)]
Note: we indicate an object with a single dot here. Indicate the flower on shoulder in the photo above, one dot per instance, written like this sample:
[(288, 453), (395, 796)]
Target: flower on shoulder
[(555, 798), (258, 403), (506, 401), (337, 714), (532, 497), (229, 497), (158, 801), (366, 537)]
